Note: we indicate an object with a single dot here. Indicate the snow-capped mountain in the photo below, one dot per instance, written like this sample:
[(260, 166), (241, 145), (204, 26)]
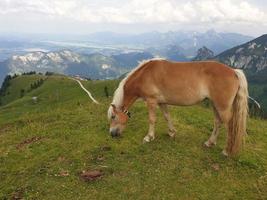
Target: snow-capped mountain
[(42, 61), (95, 66)]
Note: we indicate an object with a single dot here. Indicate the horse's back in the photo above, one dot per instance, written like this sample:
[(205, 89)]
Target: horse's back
[(192, 72), (196, 67), (185, 83)]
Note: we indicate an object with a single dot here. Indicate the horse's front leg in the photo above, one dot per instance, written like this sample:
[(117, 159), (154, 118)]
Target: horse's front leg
[(152, 105)]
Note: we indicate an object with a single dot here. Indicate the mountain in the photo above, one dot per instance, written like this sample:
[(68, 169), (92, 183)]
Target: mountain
[(131, 59), (189, 41), (217, 42), (204, 54), (175, 53), (109, 43), (42, 61), (170, 52), (251, 56), (106, 55), (95, 66)]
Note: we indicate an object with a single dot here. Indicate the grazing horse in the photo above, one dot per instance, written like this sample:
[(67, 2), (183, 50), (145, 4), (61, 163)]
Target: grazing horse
[(160, 83)]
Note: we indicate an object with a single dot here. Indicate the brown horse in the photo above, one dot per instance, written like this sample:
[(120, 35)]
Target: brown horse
[(161, 83)]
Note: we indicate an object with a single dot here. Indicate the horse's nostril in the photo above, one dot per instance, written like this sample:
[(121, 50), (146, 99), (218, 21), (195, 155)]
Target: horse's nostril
[(114, 133)]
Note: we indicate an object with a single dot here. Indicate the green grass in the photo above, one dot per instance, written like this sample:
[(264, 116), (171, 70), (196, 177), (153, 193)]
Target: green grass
[(73, 132)]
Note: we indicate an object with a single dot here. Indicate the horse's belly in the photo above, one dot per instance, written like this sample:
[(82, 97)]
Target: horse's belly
[(184, 97), (183, 101)]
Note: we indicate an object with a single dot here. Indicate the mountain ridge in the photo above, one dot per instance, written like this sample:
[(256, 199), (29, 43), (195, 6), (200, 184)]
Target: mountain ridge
[(95, 65), (251, 55)]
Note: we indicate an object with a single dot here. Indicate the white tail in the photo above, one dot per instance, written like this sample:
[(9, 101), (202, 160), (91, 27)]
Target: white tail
[(238, 122)]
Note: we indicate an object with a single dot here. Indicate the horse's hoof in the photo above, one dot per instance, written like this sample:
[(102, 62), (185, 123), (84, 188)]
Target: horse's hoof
[(224, 152), (147, 139), (209, 144), (172, 134)]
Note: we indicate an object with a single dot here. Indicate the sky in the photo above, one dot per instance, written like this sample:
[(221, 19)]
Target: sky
[(132, 16)]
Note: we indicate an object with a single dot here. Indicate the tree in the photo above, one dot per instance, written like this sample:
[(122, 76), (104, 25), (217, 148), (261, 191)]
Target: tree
[(22, 92), (49, 73), (106, 91), (5, 85), (15, 75)]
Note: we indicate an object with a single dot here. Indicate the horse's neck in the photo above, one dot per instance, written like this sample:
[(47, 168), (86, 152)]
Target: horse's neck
[(128, 100)]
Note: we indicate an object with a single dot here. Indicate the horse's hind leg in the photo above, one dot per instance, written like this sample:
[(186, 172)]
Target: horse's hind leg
[(217, 123), (152, 105), (164, 109), (225, 116)]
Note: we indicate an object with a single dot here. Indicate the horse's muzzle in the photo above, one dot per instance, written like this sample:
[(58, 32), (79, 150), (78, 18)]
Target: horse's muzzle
[(114, 132)]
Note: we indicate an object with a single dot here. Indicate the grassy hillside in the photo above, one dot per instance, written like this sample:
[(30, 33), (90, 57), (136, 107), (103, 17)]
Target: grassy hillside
[(44, 147), (20, 83)]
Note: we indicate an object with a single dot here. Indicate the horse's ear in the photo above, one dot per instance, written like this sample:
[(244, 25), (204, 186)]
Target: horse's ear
[(114, 108)]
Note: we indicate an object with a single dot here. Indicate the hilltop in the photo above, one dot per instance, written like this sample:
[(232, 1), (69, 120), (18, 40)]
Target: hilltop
[(45, 145)]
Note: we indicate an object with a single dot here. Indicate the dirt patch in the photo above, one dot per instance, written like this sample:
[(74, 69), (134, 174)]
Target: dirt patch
[(105, 148), (92, 175), (17, 195), (28, 141)]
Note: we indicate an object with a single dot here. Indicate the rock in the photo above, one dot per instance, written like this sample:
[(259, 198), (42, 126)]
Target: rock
[(91, 175)]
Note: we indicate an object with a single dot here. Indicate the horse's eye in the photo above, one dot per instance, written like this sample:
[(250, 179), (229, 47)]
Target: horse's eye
[(113, 117)]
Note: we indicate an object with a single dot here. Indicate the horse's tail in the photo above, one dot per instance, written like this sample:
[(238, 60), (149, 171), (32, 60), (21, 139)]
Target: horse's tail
[(237, 124)]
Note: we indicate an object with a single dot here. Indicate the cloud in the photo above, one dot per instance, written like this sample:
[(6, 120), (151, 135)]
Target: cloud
[(138, 11)]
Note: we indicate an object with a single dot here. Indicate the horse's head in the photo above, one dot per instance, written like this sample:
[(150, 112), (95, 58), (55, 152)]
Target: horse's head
[(118, 119)]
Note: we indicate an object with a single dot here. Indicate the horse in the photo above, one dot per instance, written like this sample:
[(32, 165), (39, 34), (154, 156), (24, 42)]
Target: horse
[(161, 83)]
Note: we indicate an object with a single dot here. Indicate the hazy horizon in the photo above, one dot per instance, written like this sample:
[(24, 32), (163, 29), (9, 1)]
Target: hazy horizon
[(57, 34)]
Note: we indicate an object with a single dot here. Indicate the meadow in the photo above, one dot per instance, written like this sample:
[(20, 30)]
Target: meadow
[(46, 145)]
